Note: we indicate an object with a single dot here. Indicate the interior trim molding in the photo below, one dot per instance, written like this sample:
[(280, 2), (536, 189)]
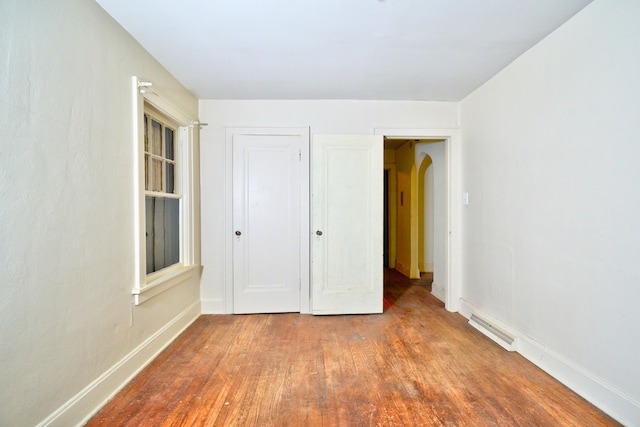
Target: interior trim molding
[(451, 136), (403, 269), (84, 405), (165, 282), (617, 404), (438, 291)]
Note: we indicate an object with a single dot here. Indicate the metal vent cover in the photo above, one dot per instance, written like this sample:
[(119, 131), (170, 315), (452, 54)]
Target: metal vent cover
[(503, 338)]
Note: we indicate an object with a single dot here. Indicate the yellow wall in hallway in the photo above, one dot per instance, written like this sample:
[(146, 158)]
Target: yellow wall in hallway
[(407, 236)]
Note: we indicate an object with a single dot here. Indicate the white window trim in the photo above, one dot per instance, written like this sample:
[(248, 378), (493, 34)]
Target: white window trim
[(147, 286)]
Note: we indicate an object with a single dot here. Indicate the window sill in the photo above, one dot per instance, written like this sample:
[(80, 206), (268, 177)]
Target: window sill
[(164, 282)]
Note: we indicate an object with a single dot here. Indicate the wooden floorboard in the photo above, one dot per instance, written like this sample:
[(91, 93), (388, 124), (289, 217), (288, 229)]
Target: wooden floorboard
[(414, 365)]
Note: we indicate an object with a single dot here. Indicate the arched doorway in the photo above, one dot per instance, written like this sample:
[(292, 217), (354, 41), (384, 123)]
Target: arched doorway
[(432, 212), (425, 215)]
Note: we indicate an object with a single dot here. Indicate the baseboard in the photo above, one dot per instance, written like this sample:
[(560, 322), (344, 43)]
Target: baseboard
[(466, 309), (213, 306), (491, 329), (80, 408), (616, 403), (406, 271), (437, 290), (610, 400)]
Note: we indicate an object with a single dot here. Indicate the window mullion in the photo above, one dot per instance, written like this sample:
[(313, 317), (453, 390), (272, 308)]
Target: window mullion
[(164, 195), (163, 150)]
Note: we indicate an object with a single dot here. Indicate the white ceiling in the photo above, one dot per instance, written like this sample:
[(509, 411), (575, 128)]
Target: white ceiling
[(436, 50)]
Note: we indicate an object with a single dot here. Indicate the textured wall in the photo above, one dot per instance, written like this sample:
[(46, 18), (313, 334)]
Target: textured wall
[(67, 203), (551, 233)]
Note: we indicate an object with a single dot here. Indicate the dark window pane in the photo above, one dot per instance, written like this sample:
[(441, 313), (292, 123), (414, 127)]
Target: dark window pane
[(146, 171), (168, 142), (156, 170), (156, 138), (170, 178), (146, 133), (162, 232)]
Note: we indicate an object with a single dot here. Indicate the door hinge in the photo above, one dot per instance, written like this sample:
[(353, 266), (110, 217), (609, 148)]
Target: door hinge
[(300, 155)]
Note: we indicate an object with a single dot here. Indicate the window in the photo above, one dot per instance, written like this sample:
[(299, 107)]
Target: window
[(167, 195), (162, 201)]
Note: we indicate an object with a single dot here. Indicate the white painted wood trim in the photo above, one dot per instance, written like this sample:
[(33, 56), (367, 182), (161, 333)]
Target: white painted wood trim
[(138, 183), (438, 291), (164, 105), (622, 407), (81, 407), (393, 213), (305, 225), (148, 286), (451, 136), (166, 281)]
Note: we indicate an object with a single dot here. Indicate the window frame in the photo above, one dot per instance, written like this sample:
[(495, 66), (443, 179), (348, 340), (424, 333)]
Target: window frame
[(166, 123), (151, 188), (186, 188)]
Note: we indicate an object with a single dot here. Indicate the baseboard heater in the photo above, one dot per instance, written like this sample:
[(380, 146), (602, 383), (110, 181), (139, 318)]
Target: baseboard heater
[(504, 339)]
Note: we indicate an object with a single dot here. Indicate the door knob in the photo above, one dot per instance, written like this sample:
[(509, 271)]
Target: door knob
[(319, 233), (238, 233)]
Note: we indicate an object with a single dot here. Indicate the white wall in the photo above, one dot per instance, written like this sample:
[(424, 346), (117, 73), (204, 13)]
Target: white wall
[(552, 230), (428, 219), (439, 219), (69, 335), (328, 117)]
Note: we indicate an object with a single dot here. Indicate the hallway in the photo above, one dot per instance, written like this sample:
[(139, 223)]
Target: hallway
[(415, 364)]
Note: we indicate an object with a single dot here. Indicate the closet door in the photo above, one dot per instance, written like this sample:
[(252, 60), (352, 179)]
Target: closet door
[(270, 221), (347, 224)]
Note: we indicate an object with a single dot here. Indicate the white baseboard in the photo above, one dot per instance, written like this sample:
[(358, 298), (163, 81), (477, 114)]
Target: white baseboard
[(614, 402), (437, 290), (80, 408), (610, 400), (213, 306)]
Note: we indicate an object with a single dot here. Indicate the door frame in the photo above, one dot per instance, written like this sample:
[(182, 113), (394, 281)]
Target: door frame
[(451, 137), (304, 134), (393, 212)]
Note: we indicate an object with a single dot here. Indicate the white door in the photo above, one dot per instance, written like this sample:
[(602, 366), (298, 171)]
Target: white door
[(267, 218), (347, 224)]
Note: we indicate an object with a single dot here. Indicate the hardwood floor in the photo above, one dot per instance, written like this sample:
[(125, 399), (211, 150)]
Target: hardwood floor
[(414, 365)]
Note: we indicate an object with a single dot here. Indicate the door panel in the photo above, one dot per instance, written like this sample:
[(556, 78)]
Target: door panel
[(347, 218), (266, 223)]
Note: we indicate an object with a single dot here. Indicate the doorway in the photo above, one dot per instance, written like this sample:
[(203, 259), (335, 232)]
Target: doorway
[(446, 282), (385, 239), (432, 209), (421, 228)]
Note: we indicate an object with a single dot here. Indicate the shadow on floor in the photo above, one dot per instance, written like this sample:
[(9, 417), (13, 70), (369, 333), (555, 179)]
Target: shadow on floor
[(396, 284)]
